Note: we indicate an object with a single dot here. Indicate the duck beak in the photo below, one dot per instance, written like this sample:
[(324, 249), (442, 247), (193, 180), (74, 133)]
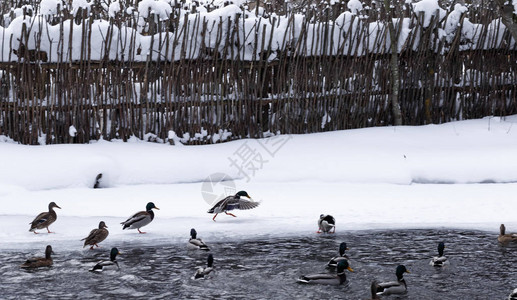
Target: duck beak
[(58, 206), (157, 208), (347, 248), (407, 271), (350, 269)]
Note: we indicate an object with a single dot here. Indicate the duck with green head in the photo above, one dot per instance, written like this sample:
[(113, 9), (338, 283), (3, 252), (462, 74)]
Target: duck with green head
[(393, 287), (140, 219), (440, 260), (196, 243), (203, 272), (326, 224), (342, 256), (231, 203), (37, 262), (108, 264), (329, 279), (44, 219)]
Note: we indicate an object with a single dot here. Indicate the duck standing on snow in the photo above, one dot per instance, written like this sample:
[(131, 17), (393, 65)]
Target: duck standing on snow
[(342, 256), (44, 219), (330, 279), (202, 272), (96, 236), (393, 287), (108, 264), (141, 218), (326, 223), (440, 260), (196, 243), (505, 238), (37, 262), (231, 203)]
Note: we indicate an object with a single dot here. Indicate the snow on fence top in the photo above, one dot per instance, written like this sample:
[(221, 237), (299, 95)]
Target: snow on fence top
[(170, 30)]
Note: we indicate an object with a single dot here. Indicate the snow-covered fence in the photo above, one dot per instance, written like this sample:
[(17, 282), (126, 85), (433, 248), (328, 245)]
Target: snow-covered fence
[(220, 71)]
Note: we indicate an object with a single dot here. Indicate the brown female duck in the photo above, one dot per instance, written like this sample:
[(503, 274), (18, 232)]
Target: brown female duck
[(505, 238), (44, 219), (37, 262), (96, 236)]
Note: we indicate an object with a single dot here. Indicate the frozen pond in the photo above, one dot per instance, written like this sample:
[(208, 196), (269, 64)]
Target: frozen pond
[(267, 268)]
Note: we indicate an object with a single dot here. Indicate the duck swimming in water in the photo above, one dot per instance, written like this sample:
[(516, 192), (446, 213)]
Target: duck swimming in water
[(44, 219), (140, 219), (326, 223), (328, 279), (96, 236), (202, 272), (393, 287), (196, 243), (506, 238), (231, 203), (342, 256), (107, 264), (440, 260), (37, 262)]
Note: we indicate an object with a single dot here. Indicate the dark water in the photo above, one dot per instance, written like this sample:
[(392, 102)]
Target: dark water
[(267, 269)]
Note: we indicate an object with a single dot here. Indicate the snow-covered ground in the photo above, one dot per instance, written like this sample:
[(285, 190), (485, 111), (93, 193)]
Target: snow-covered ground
[(458, 175)]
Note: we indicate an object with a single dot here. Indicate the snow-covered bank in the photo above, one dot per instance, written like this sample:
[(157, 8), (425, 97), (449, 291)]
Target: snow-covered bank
[(367, 179), (475, 151)]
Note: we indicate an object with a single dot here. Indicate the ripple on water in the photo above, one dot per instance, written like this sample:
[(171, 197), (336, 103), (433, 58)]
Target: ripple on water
[(265, 269)]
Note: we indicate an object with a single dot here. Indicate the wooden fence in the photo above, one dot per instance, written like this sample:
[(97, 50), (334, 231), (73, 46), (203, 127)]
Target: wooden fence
[(290, 89)]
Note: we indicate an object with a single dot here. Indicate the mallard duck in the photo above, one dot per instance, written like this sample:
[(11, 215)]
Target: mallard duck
[(202, 272), (108, 264), (330, 279), (505, 238), (37, 262), (513, 295), (393, 287), (196, 243), (44, 219), (326, 223), (342, 256), (231, 203), (96, 236), (140, 219), (440, 260)]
